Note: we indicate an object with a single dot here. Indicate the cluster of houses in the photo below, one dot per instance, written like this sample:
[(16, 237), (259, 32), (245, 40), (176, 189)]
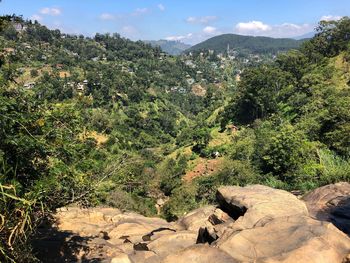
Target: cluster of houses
[(79, 87)]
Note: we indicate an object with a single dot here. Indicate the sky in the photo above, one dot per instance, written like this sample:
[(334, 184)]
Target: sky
[(190, 21)]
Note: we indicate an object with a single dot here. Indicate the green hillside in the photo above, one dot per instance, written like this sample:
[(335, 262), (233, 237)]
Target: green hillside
[(246, 43)]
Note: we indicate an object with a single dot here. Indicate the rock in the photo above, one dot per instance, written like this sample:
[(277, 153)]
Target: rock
[(121, 258), (331, 203), (287, 239), (204, 217), (199, 254), (173, 242), (156, 233), (206, 235), (85, 222), (134, 226), (256, 204), (143, 256)]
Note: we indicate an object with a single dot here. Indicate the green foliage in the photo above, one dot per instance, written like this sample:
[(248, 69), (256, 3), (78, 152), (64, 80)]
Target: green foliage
[(258, 95), (183, 200), (334, 168), (201, 138), (171, 174)]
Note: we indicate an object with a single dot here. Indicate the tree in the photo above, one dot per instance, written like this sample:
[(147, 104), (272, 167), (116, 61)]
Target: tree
[(258, 95)]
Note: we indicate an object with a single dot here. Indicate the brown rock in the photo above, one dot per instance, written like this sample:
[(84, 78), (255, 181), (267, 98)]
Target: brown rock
[(287, 239), (172, 243), (258, 204), (199, 254), (331, 203)]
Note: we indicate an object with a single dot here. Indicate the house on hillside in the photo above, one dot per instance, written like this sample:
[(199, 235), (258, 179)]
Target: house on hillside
[(190, 64), (29, 85), (80, 87)]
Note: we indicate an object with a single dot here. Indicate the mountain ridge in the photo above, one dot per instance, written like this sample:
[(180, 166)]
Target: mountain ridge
[(254, 44), (169, 46)]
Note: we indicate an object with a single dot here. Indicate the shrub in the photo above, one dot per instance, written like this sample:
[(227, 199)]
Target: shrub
[(183, 199)]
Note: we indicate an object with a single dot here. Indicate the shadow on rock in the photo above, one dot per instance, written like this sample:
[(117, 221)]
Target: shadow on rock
[(340, 215), (51, 245)]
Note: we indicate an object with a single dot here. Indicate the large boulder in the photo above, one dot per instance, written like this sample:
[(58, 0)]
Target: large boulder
[(255, 204), (331, 203), (287, 239)]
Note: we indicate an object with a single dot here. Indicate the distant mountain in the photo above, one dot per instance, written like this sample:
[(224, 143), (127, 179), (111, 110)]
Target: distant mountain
[(305, 36), (246, 43), (171, 47)]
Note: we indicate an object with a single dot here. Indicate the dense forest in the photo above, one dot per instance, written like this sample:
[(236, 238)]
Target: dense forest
[(109, 121)]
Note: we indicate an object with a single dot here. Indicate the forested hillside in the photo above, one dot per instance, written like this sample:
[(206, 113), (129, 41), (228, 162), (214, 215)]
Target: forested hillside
[(109, 121), (246, 43)]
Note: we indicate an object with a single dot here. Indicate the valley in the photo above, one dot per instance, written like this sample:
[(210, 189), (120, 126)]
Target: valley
[(140, 138)]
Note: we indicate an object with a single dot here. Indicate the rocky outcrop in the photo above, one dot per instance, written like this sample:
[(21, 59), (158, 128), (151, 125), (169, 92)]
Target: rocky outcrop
[(274, 226), (250, 224), (257, 204), (287, 239), (331, 203)]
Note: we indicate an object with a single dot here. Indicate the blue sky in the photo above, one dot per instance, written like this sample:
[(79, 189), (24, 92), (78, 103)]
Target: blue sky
[(190, 21)]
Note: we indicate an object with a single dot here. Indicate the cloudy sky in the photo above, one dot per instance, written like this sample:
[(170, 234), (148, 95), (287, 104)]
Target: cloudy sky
[(190, 21)]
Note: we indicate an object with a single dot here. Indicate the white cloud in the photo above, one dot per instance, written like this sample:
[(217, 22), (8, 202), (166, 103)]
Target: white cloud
[(178, 38), (161, 7), (210, 30), (258, 28), (330, 17), (252, 27), (51, 11), (140, 11), (201, 19), (36, 17), (107, 16)]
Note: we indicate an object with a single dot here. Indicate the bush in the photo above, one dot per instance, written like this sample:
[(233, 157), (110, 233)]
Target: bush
[(183, 199), (334, 168), (237, 172), (171, 174), (130, 202)]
